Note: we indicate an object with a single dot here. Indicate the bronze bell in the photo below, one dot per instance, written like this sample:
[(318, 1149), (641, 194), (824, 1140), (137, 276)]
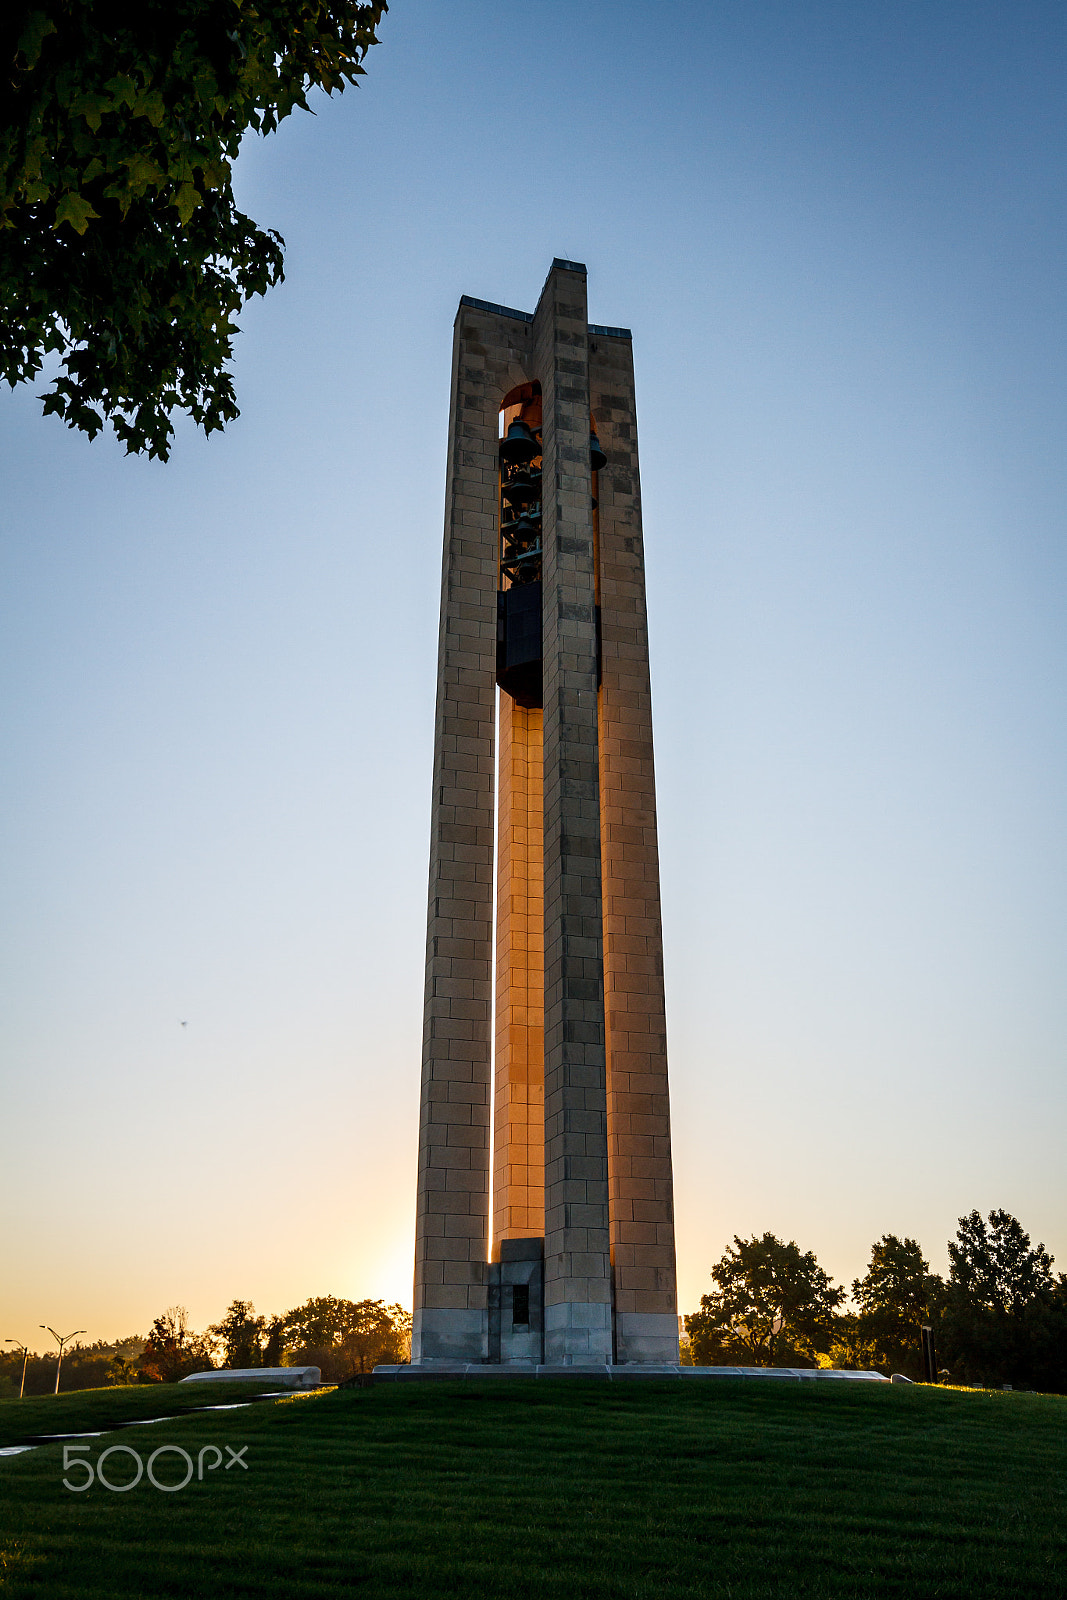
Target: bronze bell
[(518, 445), (523, 487), (522, 526), (597, 458)]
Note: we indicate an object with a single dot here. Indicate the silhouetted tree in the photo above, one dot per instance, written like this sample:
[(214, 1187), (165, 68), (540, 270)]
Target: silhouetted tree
[(173, 1350), (380, 1336), (1001, 1304), (274, 1342), (346, 1339), (320, 1322), (1047, 1316), (240, 1335), (896, 1295), (773, 1306)]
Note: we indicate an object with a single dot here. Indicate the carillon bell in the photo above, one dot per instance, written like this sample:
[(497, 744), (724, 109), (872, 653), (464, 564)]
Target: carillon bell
[(521, 564), (520, 527), (521, 489), (597, 458), (518, 445)]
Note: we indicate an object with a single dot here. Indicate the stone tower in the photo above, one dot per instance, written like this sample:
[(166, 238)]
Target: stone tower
[(544, 800)]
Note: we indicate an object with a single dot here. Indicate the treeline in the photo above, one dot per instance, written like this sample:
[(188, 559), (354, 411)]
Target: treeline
[(999, 1318), (344, 1338), (85, 1366)]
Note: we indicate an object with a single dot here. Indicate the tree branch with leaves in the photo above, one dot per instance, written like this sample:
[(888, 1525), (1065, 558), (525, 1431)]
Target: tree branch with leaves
[(122, 250)]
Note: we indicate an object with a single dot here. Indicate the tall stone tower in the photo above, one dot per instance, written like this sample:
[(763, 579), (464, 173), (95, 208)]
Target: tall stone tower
[(544, 840)]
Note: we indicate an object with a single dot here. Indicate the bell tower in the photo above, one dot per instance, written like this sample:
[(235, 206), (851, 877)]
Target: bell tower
[(544, 867)]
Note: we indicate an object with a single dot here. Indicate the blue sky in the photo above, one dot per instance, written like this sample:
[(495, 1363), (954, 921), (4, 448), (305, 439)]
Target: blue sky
[(837, 232)]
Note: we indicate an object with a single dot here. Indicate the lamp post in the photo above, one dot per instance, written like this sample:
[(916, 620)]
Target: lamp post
[(25, 1358), (61, 1342)]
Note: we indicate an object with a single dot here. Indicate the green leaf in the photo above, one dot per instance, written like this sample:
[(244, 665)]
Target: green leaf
[(151, 106), (143, 171), (76, 210), (123, 88), (187, 199), (36, 153), (215, 174), (33, 36), (92, 108)]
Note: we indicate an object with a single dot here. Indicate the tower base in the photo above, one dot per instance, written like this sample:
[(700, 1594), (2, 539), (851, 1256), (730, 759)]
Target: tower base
[(517, 1330)]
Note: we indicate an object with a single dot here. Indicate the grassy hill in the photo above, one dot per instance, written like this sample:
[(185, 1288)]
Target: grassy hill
[(572, 1490)]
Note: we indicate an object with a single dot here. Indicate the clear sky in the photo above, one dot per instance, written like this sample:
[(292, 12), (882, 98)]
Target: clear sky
[(837, 231)]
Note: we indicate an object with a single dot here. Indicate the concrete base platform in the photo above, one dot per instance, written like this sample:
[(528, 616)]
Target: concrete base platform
[(453, 1370), (283, 1377)]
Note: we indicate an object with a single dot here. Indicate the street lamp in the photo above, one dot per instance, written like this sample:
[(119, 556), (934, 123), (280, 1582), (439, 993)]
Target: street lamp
[(25, 1358), (61, 1342)]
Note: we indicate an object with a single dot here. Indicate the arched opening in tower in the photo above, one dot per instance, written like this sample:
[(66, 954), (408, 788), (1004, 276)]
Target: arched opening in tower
[(519, 1097), (519, 1089)]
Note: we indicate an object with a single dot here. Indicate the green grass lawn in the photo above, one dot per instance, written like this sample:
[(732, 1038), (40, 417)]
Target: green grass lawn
[(107, 1408), (571, 1489)]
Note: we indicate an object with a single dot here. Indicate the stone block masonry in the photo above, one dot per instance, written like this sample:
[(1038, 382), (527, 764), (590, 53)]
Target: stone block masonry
[(581, 1171)]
